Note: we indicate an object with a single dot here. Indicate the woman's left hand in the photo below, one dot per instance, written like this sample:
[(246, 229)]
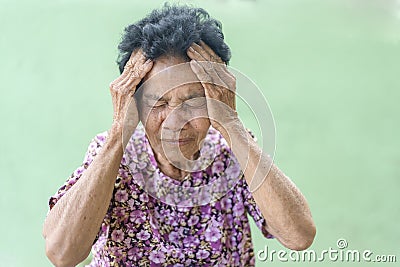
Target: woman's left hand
[(281, 203), (219, 85)]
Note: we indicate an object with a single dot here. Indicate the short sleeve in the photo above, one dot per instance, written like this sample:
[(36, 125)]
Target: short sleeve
[(91, 152), (251, 205), (254, 211)]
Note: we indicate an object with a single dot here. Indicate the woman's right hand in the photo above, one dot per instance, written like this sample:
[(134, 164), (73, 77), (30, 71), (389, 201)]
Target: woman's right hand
[(73, 223), (126, 116)]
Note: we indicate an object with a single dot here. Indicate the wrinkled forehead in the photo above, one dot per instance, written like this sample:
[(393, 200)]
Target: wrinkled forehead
[(168, 74)]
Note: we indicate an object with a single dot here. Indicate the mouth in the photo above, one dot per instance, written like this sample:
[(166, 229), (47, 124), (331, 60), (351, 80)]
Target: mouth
[(180, 141)]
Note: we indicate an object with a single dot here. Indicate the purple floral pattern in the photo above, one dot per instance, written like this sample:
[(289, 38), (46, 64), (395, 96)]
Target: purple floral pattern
[(140, 230)]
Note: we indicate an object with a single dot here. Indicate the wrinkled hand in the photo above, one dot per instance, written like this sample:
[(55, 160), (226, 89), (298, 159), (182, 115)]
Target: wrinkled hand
[(219, 84), (126, 116)]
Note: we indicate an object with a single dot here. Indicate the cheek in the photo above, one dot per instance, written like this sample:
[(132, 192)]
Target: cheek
[(201, 126), (150, 119)]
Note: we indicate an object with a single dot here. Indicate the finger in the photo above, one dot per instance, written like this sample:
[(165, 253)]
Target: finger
[(137, 55), (120, 78), (201, 74), (141, 72), (133, 78), (206, 52), (216, 58), (200, 71), (201, 51), (211, 88), (193, 54), (206, 64), (211, 91), (146, 67), (229, 73), (211, 69), (138, 60), (223, 70), (210, 52), (128, 66), (137, 73), (131, 60), (227, 77)]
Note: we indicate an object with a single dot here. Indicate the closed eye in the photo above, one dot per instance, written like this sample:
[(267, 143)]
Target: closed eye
[(197, 102), (157, 104)]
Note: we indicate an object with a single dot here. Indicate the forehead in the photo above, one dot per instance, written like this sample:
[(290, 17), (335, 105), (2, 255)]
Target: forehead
[(171, 75)]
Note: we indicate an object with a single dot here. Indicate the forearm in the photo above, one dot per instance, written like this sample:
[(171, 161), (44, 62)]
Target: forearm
[(283, 206), (73, 223)]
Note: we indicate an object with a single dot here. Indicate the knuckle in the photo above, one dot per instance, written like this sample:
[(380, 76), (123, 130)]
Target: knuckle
[(112, 86)]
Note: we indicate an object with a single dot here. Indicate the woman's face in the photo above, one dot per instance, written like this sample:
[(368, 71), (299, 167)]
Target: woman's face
[(173, 110)]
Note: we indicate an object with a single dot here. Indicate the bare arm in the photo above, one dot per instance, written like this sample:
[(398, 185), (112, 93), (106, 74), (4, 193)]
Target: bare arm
[(73, 223), (283, 206)]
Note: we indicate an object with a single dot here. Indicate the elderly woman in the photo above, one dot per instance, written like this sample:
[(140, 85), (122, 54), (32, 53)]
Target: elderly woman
[(173, 190)]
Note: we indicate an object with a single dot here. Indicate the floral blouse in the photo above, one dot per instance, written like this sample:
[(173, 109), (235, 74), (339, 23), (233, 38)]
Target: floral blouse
[(154, 220)]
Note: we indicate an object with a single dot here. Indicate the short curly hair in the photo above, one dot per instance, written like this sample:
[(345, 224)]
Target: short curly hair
[(170, 31)]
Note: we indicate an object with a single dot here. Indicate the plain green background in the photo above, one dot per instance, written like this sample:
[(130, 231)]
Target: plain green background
[(329, 70)]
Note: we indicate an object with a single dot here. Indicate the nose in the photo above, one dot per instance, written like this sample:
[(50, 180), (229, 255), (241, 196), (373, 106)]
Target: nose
[(176, 119)]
